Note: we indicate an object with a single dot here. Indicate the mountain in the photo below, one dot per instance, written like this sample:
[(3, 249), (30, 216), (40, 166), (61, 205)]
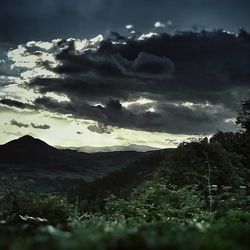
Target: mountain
[(32, 164), (29, 153), (33, 155), (131, 147), (27, 142)]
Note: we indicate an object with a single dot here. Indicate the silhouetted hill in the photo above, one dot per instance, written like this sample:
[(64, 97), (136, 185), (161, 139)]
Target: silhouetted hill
[(31, 154), (25, 143), (31, 164)]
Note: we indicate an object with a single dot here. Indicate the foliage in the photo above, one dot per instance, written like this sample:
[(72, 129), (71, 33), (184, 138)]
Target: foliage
[(119, 183), (157, 200), (51, 207), (243, 118), (189, 166), (99, 232), (165, 208)]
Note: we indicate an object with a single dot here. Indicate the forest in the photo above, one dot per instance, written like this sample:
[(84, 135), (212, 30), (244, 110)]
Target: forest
[(193, 197)]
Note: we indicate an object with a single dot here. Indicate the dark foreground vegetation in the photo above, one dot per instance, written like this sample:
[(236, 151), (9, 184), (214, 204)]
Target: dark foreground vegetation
[(198, 198)]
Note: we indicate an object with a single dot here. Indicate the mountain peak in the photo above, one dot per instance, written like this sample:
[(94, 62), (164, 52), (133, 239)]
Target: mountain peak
[(27, 142), (26, 138)]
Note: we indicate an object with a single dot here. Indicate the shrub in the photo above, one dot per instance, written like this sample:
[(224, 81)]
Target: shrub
[(52, 207), (158, 200)]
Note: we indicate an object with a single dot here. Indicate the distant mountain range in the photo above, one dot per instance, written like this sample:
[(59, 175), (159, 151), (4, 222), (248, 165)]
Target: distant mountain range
[(32, 164), (30, 154), (131, 147)]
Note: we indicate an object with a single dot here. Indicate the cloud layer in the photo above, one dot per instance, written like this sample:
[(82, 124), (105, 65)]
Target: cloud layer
[(13, 122), (192, 81)]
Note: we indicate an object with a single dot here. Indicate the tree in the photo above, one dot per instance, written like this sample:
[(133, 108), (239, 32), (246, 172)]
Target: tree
[(243, 118)]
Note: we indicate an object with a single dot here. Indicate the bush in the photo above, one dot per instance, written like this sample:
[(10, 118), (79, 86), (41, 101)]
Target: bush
[(52, 207), (236, 216), (158, 200)]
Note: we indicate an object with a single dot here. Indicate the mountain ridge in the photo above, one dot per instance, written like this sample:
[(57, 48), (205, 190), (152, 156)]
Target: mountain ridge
[(31, 154), (116, 148)]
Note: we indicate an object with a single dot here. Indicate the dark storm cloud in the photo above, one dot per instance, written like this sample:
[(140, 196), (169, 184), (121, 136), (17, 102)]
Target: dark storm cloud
[(210, 60), (25, 125), (100, 128), (201, 68), (211, 57), (168, 118), (3, 58), (38, 126), (21, 21), (19, 124), (6, 73), (195, 79), (15, 103), (145, 65)]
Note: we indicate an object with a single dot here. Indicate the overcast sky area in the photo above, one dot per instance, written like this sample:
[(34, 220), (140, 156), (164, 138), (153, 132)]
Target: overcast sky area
[(113, 72), (21, 21)]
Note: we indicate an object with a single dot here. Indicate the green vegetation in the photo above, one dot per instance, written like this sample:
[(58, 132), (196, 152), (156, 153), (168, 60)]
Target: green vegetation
[(51, 207), (198, 198)]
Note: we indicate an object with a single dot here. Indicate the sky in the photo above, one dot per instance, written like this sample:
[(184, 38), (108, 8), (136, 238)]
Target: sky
[(113, 72)]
